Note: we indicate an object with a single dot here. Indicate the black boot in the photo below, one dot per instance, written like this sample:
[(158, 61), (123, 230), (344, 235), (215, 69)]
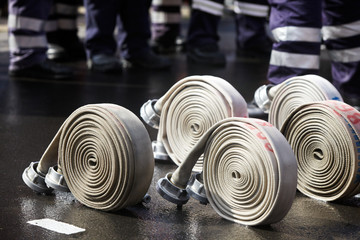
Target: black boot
[(65, 46), (104, 63), (147, 60), (44, 70), (207, 55)]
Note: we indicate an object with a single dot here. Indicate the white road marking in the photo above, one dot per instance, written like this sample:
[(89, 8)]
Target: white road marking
[(56, 226)]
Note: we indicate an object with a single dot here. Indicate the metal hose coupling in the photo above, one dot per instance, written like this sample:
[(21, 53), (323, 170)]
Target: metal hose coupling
[(149, 114), (325, 138), (102, 154), (55, 180), (187, 110), (196, 189), (296, 91), (249, 174), (35, 180), (263, 98)]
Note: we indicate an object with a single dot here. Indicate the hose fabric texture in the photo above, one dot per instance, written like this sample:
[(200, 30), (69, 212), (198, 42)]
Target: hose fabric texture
[(325, 139), (190, 107), (249, 173), (297, 91), (105, 155)]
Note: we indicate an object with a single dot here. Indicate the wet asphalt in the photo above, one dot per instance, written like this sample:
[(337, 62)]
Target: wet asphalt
[(31, 112)]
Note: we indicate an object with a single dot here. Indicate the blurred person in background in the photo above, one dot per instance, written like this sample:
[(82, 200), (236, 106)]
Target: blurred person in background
[(62, 32), (300, 27), (131, 20), (202, 40), (28, 43)]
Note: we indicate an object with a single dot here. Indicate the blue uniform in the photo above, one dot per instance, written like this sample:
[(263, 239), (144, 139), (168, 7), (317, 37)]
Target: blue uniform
[(251, 20), (61, 26), (205, 17), (204, 21), (27, 38), (130, 17), (165, 21), (300, 27)]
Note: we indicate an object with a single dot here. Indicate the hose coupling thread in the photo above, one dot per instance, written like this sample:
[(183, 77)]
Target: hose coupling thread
[(170, 192), (262, 98), (149, 114), (55, 180), (196, 190), (159, 151), (35, 180)]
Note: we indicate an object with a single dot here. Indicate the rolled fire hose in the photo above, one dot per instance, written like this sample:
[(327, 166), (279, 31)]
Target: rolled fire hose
[(103, 155), (187, 110), (325, 139), (281, 100), (249, 172)]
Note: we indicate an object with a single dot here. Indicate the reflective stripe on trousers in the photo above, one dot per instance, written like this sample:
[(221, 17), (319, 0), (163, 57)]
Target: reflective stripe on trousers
[(251, 20), (296, 26), (63, 16), (255, 8), (205, 17), (27, 42)]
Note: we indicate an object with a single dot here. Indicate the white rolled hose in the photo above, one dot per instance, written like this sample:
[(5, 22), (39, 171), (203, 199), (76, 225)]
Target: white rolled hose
[(281, 100), (187, 110), (249, 171), (103, 152), (325, 139)]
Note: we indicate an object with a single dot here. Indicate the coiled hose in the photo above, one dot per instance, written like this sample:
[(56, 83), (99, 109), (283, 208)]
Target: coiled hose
[(281, 100), (187, 110), (325, 139), (322, 132), (103, 155), (249, 172)]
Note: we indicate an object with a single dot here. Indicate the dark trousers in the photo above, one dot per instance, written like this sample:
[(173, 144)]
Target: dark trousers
[(131, 18), (314, 15), (27, 38)]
